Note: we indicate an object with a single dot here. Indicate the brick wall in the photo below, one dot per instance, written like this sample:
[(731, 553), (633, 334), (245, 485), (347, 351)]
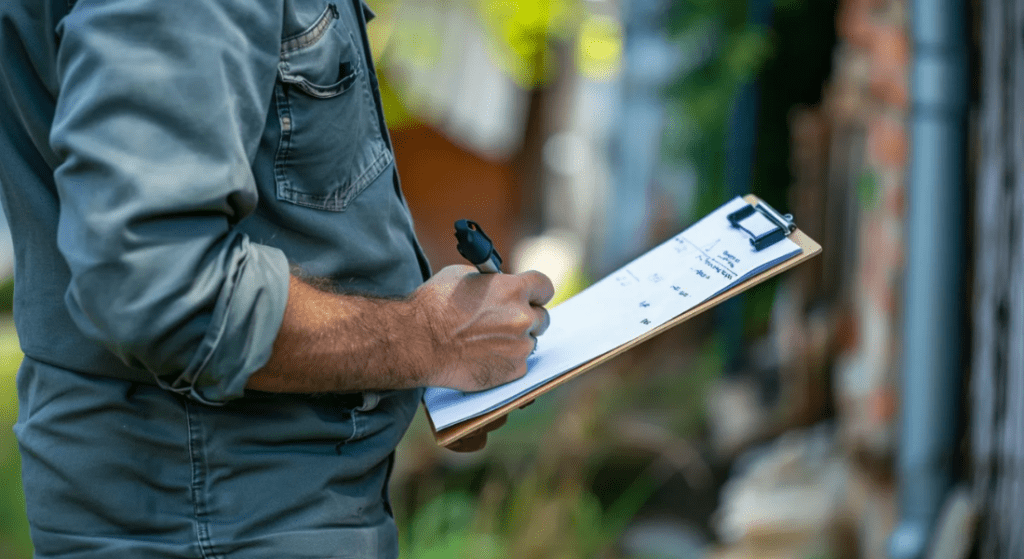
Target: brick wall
[(850, 165), (837, 320)]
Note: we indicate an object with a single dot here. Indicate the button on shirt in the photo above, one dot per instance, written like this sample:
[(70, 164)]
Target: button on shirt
[(162, 166)]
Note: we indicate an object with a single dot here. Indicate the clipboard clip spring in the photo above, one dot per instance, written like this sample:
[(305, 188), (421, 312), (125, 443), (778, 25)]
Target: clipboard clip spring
[(763, 223)]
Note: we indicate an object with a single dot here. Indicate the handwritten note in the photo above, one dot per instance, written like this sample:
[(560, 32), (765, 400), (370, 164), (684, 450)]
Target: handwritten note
[(667, 281)]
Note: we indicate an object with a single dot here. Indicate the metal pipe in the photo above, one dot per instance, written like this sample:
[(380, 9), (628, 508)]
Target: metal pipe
[(932, 333), (740, 147)]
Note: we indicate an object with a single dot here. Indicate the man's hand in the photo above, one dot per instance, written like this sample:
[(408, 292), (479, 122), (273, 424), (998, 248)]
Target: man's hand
[(476, 440), (484, 325), (461, 329)]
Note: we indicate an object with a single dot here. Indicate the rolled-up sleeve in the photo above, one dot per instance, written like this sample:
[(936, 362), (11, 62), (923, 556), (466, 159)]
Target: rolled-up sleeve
[(159, 115)]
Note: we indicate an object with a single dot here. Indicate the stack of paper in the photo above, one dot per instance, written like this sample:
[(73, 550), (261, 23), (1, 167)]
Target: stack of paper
[(670, 279)]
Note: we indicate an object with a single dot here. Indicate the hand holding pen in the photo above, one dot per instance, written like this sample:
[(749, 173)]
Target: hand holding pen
[(484, 325)]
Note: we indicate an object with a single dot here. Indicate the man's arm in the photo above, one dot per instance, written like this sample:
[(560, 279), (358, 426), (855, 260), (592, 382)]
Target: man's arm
[(461, 329), (159, 115), (157, 122)]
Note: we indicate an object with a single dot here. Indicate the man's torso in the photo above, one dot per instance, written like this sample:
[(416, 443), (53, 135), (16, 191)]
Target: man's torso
[(262, 476)]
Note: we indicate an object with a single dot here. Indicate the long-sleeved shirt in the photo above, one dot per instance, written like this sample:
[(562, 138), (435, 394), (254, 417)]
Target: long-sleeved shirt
[(162, 165)]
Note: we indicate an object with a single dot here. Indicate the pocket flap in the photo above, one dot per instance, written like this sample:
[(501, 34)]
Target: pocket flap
[(323, 60)]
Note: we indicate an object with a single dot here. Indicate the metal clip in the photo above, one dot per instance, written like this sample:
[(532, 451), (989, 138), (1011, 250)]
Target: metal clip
[(763, 223)]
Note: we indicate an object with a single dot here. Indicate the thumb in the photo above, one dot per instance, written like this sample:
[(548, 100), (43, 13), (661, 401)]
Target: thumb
[(539, 289)]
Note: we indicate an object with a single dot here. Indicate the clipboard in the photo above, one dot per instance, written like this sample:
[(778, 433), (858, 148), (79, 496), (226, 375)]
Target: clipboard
[(809, 249)]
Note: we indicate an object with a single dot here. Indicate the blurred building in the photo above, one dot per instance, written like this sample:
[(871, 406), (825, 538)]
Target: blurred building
[(541, 120), (836, 323), (912, 320), (996, 397), (563, 151)]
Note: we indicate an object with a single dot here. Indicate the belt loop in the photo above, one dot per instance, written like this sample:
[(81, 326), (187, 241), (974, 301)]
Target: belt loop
[(370, 400)]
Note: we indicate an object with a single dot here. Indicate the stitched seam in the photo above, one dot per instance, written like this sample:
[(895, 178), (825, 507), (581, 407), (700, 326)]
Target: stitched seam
[(338, 199), (189, 378), (355, 426), (333, 200), (371, 172), (198, 509), (284, 144), (313, 34), (321, 91)]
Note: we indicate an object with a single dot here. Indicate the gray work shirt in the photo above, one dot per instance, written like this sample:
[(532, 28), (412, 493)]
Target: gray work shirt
[(162, 164)]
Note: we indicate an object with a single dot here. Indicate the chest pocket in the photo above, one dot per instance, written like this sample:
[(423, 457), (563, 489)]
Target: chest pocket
[(331, 147)]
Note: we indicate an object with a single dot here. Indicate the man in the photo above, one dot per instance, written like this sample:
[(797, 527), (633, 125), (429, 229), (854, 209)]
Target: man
[(171, 170)]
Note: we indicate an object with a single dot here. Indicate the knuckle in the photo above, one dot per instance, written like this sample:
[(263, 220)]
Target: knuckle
[(546, 282), (522, 283), (523, 321)]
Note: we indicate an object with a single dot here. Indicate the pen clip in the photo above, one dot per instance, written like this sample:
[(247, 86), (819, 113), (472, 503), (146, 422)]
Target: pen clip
[(474, 245)]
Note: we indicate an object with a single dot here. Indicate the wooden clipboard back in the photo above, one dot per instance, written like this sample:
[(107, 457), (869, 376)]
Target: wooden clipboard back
[(449, 435)]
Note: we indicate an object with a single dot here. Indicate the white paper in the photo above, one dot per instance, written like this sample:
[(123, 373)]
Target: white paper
[(667, 281)]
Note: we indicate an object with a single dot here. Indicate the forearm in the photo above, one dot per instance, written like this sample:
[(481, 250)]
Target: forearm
[(342, 343), (460, 329)]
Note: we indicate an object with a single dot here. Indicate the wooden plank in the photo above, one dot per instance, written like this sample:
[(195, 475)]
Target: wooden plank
[(981, 385), (1012, 451), (996, 407), (1014, 341), (990, 179)]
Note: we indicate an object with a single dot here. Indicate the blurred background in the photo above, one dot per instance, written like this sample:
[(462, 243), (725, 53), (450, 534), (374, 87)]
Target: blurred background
[(869, 403)]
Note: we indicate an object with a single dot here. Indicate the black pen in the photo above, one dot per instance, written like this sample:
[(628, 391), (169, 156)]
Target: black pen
[(475, 246)]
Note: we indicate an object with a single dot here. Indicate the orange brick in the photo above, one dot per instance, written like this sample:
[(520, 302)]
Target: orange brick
[(883, 405), (890, 85), (889, 56), (895, 199), (887, 142), (890, 46), (854, 23)]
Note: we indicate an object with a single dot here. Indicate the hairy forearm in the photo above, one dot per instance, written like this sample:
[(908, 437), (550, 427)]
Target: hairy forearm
[(340, 343), (461, 329)]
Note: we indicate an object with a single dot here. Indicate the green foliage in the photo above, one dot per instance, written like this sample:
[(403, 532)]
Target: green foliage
[(14, 540), (520, 39), (541, 488), (867, 189), (679, 397), (521, 34), (534, 517), (443, 528), (6, 296), (726, 52)]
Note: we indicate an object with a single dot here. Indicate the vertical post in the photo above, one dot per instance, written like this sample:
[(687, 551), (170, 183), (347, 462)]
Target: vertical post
[(649, 63), (932, 334), (739, 172)]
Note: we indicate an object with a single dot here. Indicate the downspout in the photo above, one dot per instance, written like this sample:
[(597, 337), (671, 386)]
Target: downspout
[(740, 148), (932, 333)]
